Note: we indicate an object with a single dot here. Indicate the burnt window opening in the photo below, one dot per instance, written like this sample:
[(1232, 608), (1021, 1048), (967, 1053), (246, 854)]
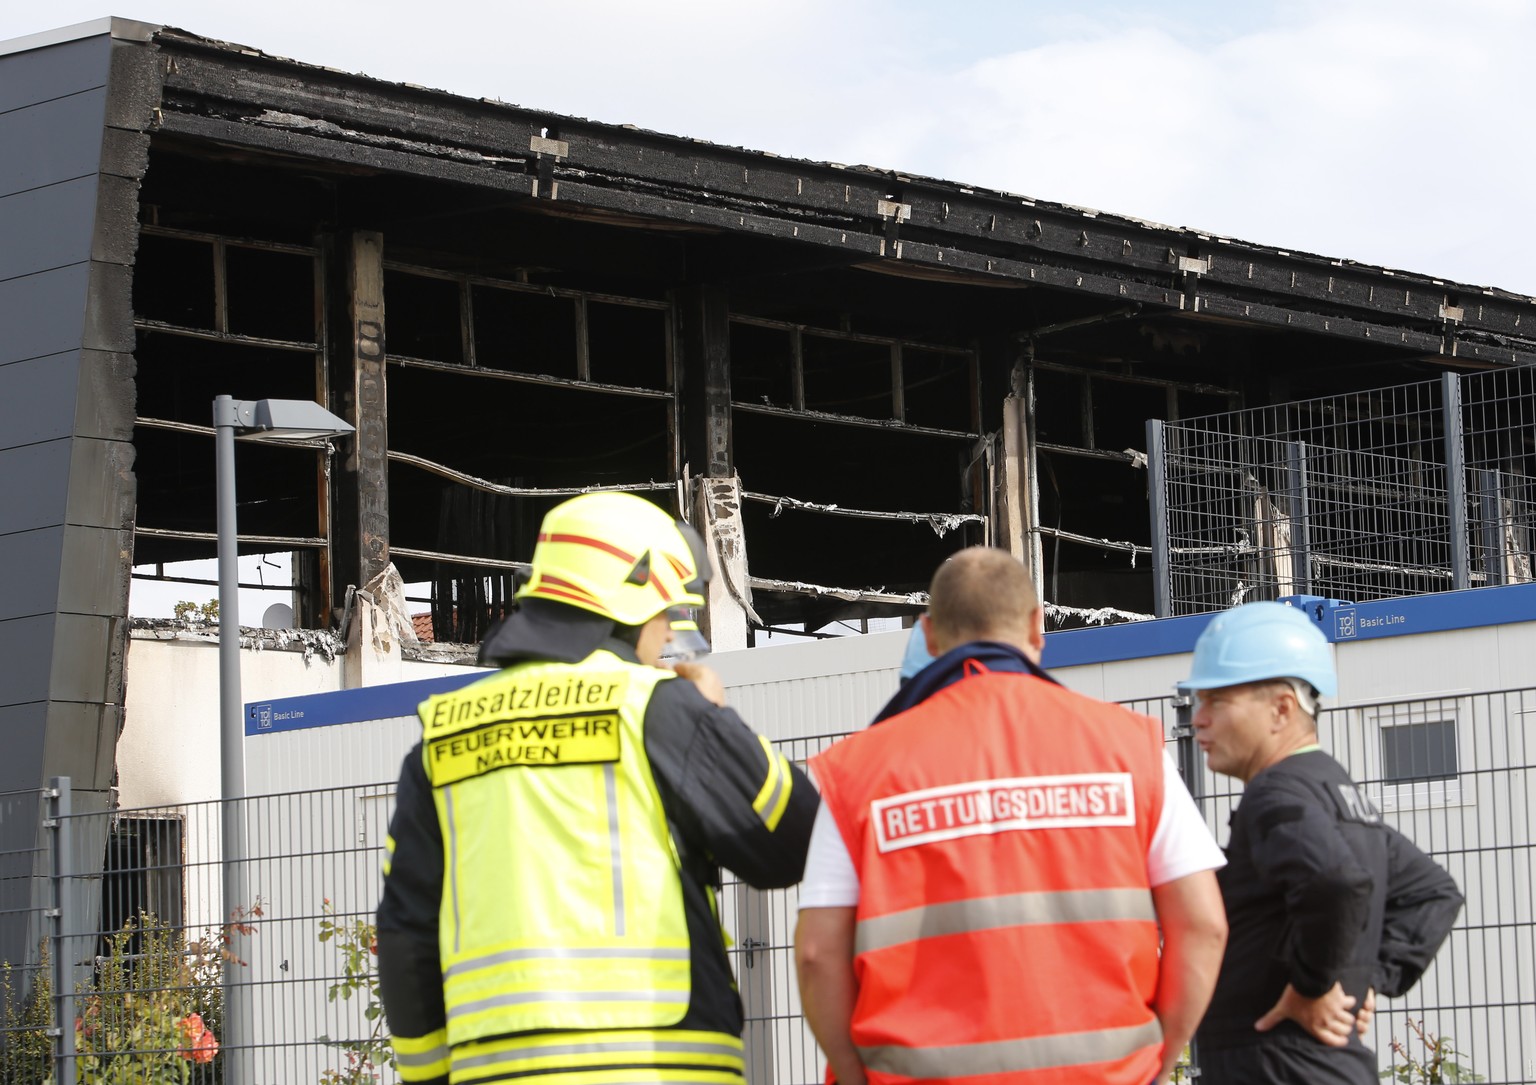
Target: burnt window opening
[(939, 389), (763, 361), (143, 873), (270, 294), (854, 468), (1095, 532), (423, 317), (1060, 408), (526, 331), (1093, 507), (847, 376), (903, 439), (230, 316), (628, 344), (506, 421), (174, 281), (1119, 411)]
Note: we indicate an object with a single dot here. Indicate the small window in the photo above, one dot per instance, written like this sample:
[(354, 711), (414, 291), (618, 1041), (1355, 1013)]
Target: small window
[(1411, 752), (142, 874)]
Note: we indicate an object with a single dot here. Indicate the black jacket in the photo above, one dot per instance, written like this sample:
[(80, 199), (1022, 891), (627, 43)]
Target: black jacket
[(1318, 890), (708, 766)]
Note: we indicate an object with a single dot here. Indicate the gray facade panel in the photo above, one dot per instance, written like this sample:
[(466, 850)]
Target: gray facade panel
[(34, 489), (26, 645), (82, 666), (105, 406), (125, 154), (52, 142), (102, 487), (41, 75), (116, 236), (35, 558), (80, 743), (94, 571), (43, 313), (37, 399), (109, 308), (56, 142), (47, 227), (135, 86), (22, 732)]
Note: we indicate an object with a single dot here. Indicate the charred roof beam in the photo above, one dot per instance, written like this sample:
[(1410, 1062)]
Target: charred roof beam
[(226, 94)]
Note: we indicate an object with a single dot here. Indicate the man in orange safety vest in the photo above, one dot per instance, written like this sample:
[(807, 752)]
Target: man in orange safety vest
[(1008, 883)]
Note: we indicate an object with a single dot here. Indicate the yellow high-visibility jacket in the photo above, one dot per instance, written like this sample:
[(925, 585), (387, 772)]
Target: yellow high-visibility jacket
[(556, 834)]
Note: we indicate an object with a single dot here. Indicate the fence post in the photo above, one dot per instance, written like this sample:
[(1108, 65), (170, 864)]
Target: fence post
[(237, 1050), (1186, 751), (60, 809), (1301, 519), (1455, 481), (1157, 500), (1187, 759)]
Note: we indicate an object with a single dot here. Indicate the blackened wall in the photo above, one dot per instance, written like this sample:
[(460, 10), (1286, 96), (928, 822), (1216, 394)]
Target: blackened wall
[(73, 153)]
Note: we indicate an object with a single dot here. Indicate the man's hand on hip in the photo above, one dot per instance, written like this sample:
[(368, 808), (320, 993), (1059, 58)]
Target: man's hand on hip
[(1330, 1017)]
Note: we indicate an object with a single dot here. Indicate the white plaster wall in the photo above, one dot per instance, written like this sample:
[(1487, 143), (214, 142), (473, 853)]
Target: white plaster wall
[(169, 750), (827, 687)]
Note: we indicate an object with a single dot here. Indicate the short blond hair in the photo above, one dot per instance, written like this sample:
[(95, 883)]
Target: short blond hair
[(982, 593)]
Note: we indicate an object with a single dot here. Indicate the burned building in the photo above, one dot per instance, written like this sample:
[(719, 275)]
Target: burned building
[(844, 373)]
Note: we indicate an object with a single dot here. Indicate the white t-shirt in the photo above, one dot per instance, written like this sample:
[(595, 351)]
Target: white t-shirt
[(1182, 845)]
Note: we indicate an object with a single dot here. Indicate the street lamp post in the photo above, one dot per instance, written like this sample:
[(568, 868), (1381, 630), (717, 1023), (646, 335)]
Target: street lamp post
[(273, 420)]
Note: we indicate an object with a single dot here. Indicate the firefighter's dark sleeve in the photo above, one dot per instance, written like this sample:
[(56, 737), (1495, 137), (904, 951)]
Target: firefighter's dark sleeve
[(410, 974), (745, 804), (1297, 848), (1422, 904)]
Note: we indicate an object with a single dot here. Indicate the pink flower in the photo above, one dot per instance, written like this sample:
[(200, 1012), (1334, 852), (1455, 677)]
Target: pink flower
[(192, 1026), (205, 1048), (204, 1045)]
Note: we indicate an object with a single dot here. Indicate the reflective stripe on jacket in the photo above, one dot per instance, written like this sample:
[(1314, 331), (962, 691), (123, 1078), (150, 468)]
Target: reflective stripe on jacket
[(654, 1057), (576, 922), (1005, 932)]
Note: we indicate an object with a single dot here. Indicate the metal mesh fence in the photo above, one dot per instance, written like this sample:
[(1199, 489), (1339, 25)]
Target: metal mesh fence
[(1398, 491), (26, 1048), (1499, 422), (164, 974), (142, 936)]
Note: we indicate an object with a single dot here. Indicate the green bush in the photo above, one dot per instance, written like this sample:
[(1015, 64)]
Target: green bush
[(25, 1047), (152, 1014), (358, 942), (1436, 1064)]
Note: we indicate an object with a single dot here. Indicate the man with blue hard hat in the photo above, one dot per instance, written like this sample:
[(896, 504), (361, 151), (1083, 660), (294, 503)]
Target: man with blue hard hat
[(1327, 905)]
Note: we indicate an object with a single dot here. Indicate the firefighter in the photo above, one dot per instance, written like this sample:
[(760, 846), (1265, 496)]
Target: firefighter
[(992, 866), (549, 909), (1327, 904)]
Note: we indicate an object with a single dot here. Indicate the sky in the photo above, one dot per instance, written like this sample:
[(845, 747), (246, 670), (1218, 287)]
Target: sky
[(1394, 133)]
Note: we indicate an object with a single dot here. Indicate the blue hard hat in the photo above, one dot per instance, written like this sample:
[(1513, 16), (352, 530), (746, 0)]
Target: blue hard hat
[(917, 655), (1259, 641)]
